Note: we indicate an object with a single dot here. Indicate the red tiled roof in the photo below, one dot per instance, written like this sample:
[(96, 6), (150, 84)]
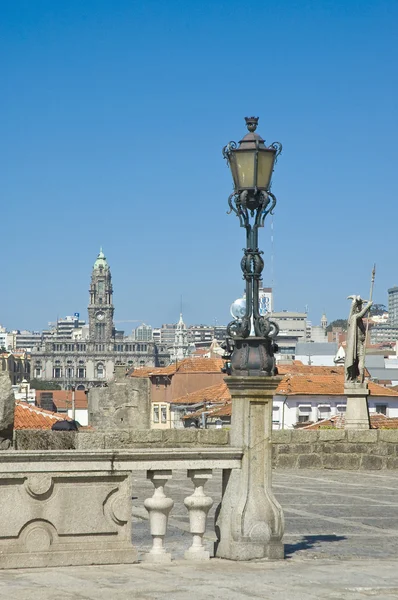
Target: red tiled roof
[(377, 421), (303, 384), (63, 398), (27, 416), (313, 383), (218, 411), (188, 365), (214, 393)]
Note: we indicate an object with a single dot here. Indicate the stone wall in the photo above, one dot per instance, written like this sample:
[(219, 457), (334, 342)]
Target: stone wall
[(336, 449), (124, 404), (32, 439)]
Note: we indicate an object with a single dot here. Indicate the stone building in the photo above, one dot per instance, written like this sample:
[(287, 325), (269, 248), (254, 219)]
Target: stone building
[(88, 359)]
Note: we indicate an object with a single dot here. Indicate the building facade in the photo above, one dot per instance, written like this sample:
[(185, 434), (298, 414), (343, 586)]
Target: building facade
[(87, 359), (393, 306)]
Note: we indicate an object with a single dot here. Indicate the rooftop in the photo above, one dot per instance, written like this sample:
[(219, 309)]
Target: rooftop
[(28, 416), (214, 393), (197, 364)]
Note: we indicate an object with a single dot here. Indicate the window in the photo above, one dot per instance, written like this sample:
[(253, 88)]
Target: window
[(57, 372), (304, 414), (324, 412), (37, 371), (341, 408), (81, 373), (164, 414), (381, 409), (69, 372), (100, 371), (155, 413)]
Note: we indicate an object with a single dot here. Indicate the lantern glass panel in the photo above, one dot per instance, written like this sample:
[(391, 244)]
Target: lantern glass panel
[(266, 160), (234, 170), (245, 161)]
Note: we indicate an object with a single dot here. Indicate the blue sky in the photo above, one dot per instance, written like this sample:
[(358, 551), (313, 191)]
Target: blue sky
[(113, 119)]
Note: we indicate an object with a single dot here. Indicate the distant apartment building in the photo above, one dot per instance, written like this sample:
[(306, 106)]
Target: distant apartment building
[(337, 335), (27, 340), (383, 333), (3, 339), (393, 306), (292, 329)]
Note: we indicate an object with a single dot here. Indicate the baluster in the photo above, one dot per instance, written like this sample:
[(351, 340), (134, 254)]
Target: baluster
[(158, 507), (198, 505)]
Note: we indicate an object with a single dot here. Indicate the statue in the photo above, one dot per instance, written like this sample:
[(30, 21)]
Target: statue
[(356, 339)]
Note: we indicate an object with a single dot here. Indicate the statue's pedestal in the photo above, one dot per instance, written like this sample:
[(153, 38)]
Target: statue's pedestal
[(357, 412), (250, 522)]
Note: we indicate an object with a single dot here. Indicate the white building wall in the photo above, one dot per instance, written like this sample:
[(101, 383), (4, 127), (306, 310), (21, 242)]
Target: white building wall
[(325, 360), (81, 415), (391, 403), (286, 409)]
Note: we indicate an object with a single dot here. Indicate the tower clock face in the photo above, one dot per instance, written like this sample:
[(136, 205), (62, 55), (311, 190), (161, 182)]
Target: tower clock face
[(100, 316)]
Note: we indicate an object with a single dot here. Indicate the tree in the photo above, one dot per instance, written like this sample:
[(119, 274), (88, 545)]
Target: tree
[(37, 384), (378, 309), (337, 323)]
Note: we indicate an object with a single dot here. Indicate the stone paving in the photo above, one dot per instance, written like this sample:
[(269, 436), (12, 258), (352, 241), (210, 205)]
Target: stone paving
[(341, 543)]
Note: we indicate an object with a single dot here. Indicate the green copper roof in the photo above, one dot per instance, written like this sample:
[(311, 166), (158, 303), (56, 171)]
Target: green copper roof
[(101, 261)]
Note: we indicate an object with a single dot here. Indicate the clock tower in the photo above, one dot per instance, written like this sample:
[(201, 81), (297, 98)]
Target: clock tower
[(100, 309)]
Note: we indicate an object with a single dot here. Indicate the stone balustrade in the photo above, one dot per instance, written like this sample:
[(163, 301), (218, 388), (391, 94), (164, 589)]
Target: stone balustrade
[(74, 507)]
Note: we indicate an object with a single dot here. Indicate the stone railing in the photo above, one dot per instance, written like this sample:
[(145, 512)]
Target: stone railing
[(335, 449), (66, 496), (74, 507), (33, 439)]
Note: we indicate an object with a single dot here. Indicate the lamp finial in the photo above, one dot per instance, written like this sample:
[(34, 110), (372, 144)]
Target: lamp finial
[(251, 123)]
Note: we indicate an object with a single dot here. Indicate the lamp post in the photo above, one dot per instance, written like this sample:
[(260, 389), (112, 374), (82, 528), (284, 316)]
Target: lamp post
[(250, 522), (252, 164)]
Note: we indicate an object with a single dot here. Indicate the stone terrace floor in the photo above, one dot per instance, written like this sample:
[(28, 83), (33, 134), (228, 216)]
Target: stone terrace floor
[(341, 544)]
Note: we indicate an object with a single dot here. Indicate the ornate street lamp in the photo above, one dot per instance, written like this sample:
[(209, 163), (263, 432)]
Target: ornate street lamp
[(252, 164)]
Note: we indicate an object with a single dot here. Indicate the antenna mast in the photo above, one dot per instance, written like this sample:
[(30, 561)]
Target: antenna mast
[(372, 283)]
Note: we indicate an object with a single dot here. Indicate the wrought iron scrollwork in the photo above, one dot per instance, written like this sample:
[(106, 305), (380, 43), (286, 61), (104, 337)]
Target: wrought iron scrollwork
[(227, 149), (239, 328), (278, 147)]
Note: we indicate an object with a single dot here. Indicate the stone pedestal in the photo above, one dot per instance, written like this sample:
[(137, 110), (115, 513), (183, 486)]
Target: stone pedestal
[(250, 521), (357, 411)]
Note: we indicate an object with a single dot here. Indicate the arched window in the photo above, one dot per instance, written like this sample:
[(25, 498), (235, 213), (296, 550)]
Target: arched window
[(100, 371)]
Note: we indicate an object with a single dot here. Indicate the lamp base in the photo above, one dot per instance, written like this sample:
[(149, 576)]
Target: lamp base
[(253, 356)]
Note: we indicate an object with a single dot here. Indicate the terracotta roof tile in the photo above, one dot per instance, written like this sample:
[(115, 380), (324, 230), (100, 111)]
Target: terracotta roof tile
[(214, 393), (63, 398), (377, 421), (188, 365), (218, 411), (27, 416), (302, 384)]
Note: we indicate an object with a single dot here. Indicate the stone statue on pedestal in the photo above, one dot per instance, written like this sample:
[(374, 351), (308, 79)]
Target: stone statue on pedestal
[(356, 339), (355, 386)]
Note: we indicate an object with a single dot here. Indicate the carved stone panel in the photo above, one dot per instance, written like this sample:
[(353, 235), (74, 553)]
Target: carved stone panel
[(54, 519)]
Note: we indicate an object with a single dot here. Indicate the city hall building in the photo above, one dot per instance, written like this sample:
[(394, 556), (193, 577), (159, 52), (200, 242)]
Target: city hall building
[(84, 356)]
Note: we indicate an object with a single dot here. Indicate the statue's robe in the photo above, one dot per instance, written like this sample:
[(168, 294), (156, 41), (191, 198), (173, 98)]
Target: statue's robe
[(351, 351)]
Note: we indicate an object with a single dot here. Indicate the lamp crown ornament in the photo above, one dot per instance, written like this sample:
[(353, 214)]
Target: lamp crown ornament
[(251, 123)]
